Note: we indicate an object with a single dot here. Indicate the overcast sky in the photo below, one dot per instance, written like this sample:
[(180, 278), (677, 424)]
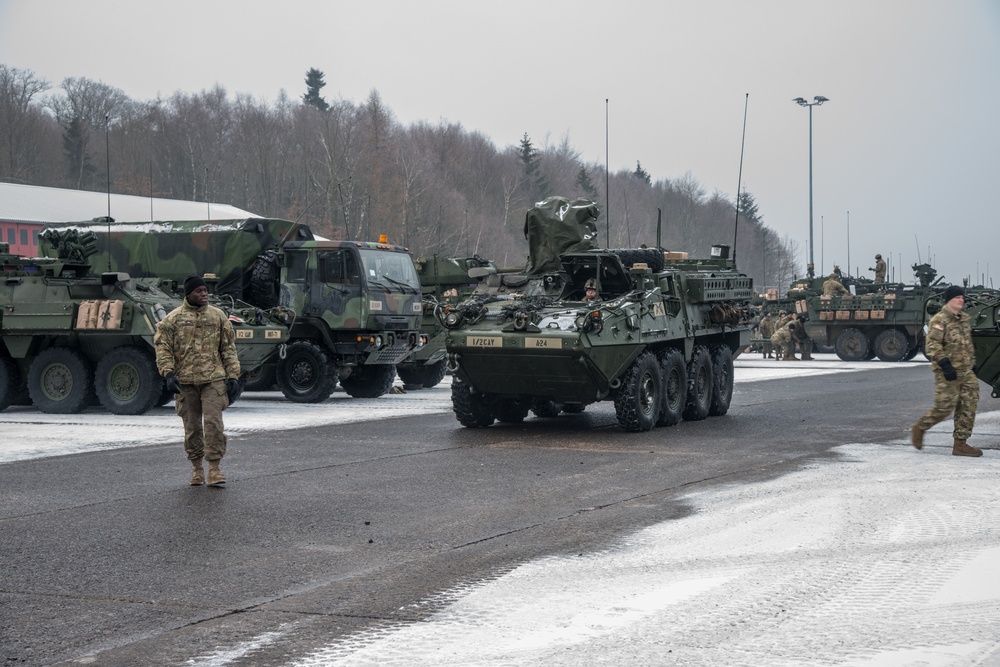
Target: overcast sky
[(908, 144)]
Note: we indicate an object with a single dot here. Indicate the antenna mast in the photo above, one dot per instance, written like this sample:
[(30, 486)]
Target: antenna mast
[(107, 168), (607, 179), (739, 180)]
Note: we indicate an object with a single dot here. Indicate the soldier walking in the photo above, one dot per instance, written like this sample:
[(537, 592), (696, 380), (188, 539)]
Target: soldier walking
[(196, 354), (956, 387)]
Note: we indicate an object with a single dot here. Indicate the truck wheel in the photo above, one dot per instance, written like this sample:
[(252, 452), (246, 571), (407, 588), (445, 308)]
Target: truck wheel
[(722, 380), (852, 345), (8, 381), (261, 378), (699, 389), (306, 374), (265, 289), (60, 380), (369, 381), (892, 345), (638, 399), (470, 408), (545, 408), (512, 410), (674, 374), (127, 382), (423, 375)]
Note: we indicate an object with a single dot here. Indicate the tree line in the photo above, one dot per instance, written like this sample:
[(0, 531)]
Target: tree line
[(353, 171)]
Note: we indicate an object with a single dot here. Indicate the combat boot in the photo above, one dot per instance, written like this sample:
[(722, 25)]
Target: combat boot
[(917, 436), (962, 449), (198, 474), (790, 356), (806, 356), (215, 476)]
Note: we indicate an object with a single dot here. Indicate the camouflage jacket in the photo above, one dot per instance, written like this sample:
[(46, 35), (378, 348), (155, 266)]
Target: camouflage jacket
[(950, 336), (197, 345), (832, 287)]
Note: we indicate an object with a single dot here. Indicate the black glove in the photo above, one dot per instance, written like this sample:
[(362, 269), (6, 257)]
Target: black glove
[(232, 389), (949, 371), (173, 386)]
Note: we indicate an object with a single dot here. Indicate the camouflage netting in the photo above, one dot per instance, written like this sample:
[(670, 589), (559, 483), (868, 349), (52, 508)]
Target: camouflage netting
[(556, 226)]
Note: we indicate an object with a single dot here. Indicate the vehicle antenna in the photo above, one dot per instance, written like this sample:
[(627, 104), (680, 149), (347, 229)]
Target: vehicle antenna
[(347, 225), (107, 164), (659, 219), (918, 248), (607, 180), (739, 180)]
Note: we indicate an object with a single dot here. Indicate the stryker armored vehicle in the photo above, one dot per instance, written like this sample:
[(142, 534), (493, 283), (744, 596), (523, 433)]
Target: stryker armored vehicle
[(357, 304), (659, 342), (71, 338), (883, 320), (444, 281)]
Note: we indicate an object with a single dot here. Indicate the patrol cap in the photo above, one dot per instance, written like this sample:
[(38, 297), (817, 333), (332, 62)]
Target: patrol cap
[(952, 292), (191, 283)]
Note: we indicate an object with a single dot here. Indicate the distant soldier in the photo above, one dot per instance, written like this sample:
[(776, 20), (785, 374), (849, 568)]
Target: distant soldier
[(766, 331), (879, 269), (801, 337), (837, 272), (956, 387), (833, 287), (784, 340)]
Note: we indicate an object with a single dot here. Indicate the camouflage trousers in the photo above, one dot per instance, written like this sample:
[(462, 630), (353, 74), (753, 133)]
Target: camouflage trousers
[(200, 407), (960, 396)]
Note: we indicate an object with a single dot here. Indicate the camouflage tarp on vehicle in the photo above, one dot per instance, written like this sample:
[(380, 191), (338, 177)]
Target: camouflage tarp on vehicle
[(556, 226)]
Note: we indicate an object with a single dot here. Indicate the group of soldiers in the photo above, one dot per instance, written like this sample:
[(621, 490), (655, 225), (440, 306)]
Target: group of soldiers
[(781, 334)]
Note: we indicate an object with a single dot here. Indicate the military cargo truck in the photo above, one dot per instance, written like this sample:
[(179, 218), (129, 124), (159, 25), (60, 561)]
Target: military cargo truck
[(70, 338), (444, 281), (357, 304), (660, 342)]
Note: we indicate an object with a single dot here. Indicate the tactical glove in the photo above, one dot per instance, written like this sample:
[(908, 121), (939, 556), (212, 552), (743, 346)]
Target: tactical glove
[(232, 389), (173, 386), (949, 371)]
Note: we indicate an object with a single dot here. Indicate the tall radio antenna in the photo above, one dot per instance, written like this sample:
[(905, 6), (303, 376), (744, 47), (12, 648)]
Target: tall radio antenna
[(739, 183)]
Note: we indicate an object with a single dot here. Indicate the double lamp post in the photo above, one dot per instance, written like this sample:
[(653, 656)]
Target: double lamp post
[(818, 100)]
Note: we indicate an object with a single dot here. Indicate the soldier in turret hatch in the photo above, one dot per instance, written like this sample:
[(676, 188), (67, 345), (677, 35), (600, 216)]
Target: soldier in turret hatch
[(590, 289)]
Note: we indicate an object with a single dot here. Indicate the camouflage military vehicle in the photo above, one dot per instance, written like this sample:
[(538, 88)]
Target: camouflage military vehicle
[(444, 281), (985, 313), (357, 304), (660, 342), (883, 320), (71, 338)]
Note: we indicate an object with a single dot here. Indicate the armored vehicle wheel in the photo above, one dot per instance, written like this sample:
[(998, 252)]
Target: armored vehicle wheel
[(127, 382), (852, 345), (674, 374), (699, 389), (261, 378), (546, 408), (638, 399), (264, 280), (511, 410), (424, 375), (8, 381), (573, 408), (470, 408), (306, 374), (60, 380), (369, 381), (892, 345), (722, 380)]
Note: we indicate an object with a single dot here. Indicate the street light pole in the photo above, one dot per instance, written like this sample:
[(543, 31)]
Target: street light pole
[(817, 101)]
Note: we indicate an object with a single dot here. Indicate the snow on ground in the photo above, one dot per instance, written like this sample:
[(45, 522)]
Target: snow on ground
[(29, 433)]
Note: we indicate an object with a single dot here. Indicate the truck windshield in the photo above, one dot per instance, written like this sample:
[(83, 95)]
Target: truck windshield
[(391, 270)]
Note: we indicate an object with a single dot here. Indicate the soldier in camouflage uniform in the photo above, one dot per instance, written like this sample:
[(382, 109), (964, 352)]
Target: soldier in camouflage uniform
[(801, 337), (833, 287), (879, 269), (766, 330), (956, 387), (784, 343), (196, 354)]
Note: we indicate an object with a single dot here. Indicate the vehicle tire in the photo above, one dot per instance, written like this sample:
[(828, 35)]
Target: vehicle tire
[(470, 408), (306, 374), (673, 371), (60, 381), (127, 381), (511, 410), (370, 381), (892, 345), (573, 408), (852, 345), (9, 381), (265, 288), (722, 380), (699, 387), (409, 375), (262, 378), (545, 408), (651, 257), (638, 399), (423, 375)]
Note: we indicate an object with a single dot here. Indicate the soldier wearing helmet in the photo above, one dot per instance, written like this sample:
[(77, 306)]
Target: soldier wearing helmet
[(879, 269), (590, 290)]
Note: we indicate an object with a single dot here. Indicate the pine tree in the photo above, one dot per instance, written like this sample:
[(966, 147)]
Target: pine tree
[(642, 174), (585, 184), (532, 168), (314, 81)]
